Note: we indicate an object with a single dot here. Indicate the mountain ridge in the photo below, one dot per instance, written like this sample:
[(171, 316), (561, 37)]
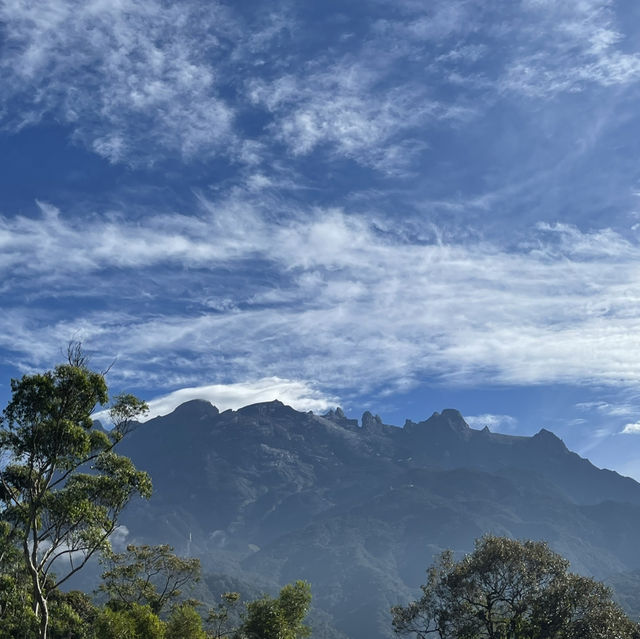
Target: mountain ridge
[(359, 508)]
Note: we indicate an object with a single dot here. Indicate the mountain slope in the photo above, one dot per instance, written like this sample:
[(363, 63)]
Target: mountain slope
[(360, 510)]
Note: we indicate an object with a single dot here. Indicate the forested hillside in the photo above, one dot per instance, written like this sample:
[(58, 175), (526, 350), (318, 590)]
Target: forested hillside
[(360, 508)]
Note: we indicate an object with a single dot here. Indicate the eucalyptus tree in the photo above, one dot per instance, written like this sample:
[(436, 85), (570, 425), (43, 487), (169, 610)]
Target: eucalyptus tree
[(62, 485), (147, 575)]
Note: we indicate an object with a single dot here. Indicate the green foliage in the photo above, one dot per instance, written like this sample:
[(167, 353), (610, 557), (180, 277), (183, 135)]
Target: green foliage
[(72, 615), (62, 487), (508, 589), (185, 623), (146, 575), (219, 618), (66, 623), (124, 409), (16, 616), (281, 617), (134, 622)]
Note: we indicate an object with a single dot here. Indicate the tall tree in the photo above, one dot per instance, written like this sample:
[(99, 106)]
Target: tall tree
[(147, 575), (220, 618), (508, 589), (62, 486)]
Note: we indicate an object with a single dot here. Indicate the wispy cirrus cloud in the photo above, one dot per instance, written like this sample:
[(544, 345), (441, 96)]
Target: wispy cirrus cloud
[(139, 82), (609, 409), (358, 101), (348, 109), (134, 80), (256, 283), (567, 46), (349, 301)]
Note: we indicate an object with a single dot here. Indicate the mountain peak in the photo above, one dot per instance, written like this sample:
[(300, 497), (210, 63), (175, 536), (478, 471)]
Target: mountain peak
[(337, 416), (371, 423), (549, 440), (451, 418), (196, 408), (264, 409), (332, 414)]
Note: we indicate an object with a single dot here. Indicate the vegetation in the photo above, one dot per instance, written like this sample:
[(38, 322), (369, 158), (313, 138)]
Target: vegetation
[(185, 623), (219, 618), (508, 589), (133, 622), (62, 489), (146, 575), (281, 617), (62, 486)]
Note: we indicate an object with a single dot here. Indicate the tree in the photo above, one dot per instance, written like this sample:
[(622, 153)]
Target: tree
[(508, 589), (72, 615), (62, 486), (135, 622), (219, 618), (16, 614), (185, 623), (146, 575), (281, 617)]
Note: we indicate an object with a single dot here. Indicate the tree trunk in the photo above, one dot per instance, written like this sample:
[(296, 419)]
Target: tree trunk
[(40, 607), (44, 620)]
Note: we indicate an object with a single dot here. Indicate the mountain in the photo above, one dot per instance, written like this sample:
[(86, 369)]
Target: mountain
[(268, 494)]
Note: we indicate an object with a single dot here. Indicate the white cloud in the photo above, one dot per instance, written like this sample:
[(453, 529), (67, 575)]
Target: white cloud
[(132, 78), (436, 21), (566, 46), (149, 80), (631, 429), (119, 538), (340, 299), (346, 107), (605, 408), (297, 394), (492, 421), (63, 246), (146, 79)]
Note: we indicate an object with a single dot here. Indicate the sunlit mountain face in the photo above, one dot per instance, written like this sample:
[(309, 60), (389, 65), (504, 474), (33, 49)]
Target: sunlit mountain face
[(386, 206)]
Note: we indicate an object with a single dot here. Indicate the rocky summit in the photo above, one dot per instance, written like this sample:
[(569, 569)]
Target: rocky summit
[(266, 494)]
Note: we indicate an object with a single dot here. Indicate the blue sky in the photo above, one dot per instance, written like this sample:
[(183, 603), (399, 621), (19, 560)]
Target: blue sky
[(398, 206)]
